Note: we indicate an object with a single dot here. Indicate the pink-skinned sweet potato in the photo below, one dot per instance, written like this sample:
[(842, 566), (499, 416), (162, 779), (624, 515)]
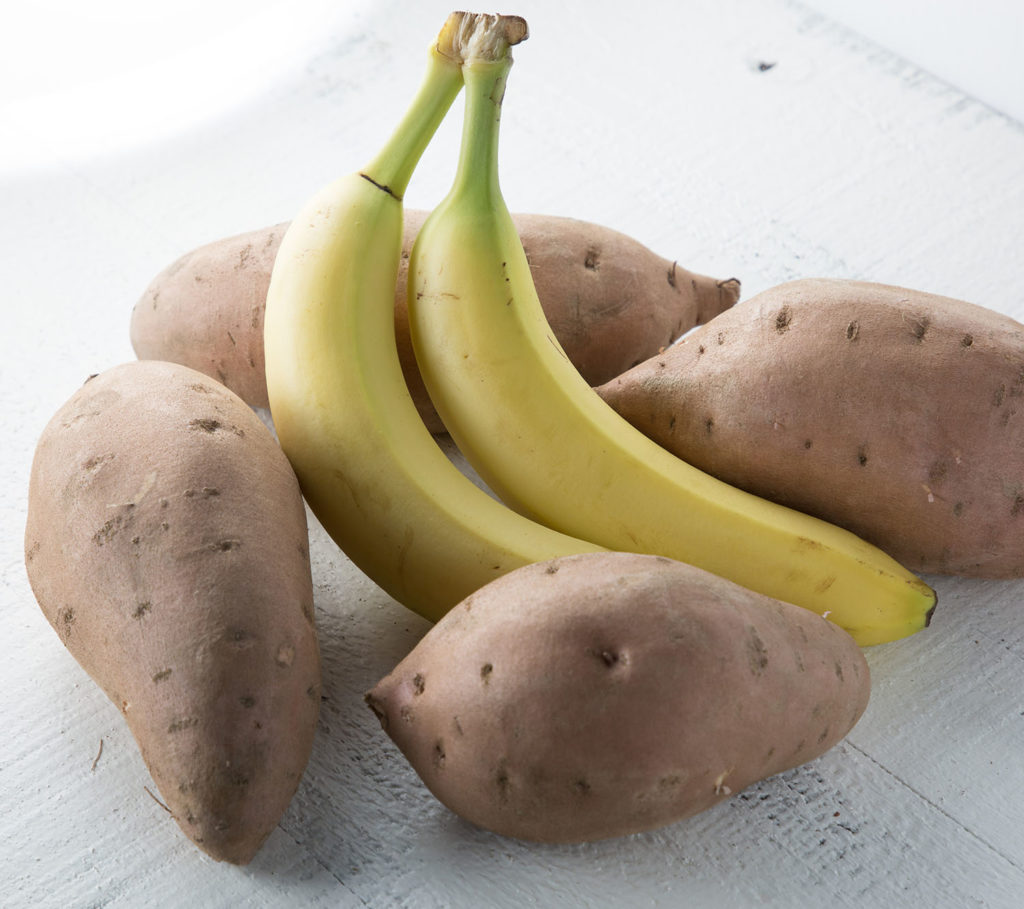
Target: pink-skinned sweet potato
[(605, 694), (894, 413), (611, 301), (166, 544)]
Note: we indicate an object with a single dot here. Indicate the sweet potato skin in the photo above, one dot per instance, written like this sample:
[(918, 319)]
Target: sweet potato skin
[(601, 695), (612, 302), (166, 544), (894, 413)]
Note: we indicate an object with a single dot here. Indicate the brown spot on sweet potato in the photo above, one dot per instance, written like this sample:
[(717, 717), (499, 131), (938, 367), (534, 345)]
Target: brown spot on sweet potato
[(853, 331), (958, 509), (551, 568), (999, 396), (967, 340), (485, 672), (419, 684), (108, 531), (1017, 388), (142, 609), (919, 327), (224, 545), (162, 676), (808, 444), (65, 622), (439, 754), (1018, 504), (91, 464), (247, 701), (824, 735), (757, 653), (183, 723), (211, 424), (590, 261), (783, 318), (241, 639), (244, 257), (862, 455), (672, 274), (581, 787), (285, 655), (608, 656), (503, 781), (709, 425)]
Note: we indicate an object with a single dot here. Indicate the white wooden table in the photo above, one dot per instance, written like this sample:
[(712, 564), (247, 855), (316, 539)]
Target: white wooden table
[(663, 121)]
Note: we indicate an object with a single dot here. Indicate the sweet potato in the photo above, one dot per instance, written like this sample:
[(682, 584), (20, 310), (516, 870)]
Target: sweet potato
[(604, 694), (166, 544), (611, 301), (894, 413)]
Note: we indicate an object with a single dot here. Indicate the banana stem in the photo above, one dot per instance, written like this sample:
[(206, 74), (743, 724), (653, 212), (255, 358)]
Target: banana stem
[(394, 164), (476, 176), (466, 42)]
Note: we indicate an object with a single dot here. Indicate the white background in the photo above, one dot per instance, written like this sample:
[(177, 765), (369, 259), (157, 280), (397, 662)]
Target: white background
[(129, 136)]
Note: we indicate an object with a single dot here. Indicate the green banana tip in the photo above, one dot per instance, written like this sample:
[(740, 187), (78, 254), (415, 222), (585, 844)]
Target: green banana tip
[(480, 37)]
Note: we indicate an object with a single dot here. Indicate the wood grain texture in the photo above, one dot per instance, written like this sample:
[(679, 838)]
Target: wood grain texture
[(746, 137)]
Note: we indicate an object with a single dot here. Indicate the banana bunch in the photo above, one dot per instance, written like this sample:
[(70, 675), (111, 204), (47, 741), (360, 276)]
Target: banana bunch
[(574, 476)]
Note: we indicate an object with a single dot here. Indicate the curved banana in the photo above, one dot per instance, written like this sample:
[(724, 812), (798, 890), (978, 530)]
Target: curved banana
[(369, 468), (544, 441)]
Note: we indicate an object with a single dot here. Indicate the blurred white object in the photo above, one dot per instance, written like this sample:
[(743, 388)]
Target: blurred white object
[(82, 80)]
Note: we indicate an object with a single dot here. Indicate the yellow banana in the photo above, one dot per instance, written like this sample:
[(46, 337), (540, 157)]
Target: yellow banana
[(544, 441), (369, 468)]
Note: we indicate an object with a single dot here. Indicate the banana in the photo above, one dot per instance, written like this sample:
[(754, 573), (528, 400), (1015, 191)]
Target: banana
[(369, 469), (547, 444)]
